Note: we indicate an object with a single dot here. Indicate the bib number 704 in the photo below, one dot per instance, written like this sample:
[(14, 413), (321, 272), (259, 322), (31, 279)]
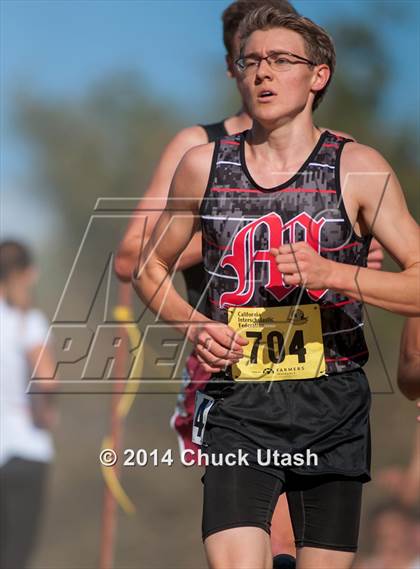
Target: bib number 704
[(275, 346)]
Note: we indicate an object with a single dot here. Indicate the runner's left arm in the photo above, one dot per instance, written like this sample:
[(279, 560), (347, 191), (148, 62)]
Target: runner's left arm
[(384, 213), (374, 199)]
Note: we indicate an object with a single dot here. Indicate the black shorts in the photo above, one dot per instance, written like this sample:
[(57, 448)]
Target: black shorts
[(328, 416), (324, 510)]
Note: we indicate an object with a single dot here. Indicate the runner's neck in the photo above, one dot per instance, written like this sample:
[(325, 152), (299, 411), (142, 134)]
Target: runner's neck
[(284, 147), (238, 123)]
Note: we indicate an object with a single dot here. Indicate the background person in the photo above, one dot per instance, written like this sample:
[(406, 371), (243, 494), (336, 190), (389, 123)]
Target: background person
[(26, 447), (392, 530)]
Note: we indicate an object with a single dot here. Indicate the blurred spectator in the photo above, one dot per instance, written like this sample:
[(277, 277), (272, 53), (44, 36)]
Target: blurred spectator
[(25, 444), (403, 483), (392, 529)]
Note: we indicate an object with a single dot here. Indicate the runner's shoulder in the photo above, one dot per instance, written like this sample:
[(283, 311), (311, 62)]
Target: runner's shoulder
[(365, 173), (190, 136), (182, 142), (193, 171), (339, 133), (361, 158), (197, 160)]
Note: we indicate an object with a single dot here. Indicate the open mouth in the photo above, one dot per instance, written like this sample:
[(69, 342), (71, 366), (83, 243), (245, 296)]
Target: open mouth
[(266, 95)]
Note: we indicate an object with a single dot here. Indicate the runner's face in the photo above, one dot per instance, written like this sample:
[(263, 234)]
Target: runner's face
[(292, 89)]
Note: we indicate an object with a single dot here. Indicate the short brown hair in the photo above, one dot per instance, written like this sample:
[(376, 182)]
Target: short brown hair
[(319, 46), (235, 13)]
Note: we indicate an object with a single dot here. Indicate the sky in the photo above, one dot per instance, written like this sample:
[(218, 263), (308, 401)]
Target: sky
[(61, 47)]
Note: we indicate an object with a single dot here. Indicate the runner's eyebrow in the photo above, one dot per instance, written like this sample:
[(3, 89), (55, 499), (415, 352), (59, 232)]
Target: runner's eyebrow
[(254, 54)]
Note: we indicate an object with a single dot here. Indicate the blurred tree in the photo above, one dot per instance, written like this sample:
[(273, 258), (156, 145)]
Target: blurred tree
[(106, 143), (102, 145), (354, 102)]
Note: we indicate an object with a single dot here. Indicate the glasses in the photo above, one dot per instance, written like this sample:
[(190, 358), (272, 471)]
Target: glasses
[(278, 61)]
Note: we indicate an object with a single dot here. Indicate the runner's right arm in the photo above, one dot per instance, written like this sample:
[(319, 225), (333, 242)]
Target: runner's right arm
[(216, 344), (129, 251)]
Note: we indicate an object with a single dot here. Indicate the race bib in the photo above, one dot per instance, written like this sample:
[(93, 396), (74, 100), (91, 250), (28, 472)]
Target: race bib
[(284, 342), (203, 404)]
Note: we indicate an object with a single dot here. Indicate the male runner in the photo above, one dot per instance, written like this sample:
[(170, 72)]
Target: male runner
[(321, 402), (194, 376), (191, 262)]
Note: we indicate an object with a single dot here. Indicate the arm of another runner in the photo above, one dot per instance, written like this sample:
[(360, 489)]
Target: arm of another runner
[(137, 234), (216, 344), (409, 364)]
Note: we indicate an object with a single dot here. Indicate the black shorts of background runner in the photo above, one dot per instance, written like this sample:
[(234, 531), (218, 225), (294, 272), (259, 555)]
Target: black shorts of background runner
[(329, 416), (324, 510)]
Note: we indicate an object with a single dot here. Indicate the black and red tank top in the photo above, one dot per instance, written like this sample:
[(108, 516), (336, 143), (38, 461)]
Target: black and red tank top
[(241, 221)]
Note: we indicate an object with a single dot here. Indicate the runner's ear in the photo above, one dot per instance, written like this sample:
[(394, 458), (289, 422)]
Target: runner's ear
[(321, 77)]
